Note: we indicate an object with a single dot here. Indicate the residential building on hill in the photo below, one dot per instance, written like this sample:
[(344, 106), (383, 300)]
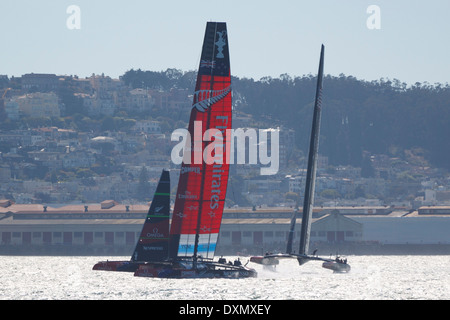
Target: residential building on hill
[(39, 82), (34, 105)]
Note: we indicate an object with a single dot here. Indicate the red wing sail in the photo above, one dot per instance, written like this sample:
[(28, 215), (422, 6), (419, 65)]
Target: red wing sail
[(203, 180), (153, 243)]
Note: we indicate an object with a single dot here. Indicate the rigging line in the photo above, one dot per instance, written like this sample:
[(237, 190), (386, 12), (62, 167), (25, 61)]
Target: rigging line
[(209, 115)]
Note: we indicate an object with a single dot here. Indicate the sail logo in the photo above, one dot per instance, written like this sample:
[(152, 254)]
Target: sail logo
[(190, 169), (187, 195), (203, 99), (212, 214), (220, 43), (319, 99), (155, 234), (158, 209), (147, 248), (207, 64), (215, 186), (205, 229), (181, 215)]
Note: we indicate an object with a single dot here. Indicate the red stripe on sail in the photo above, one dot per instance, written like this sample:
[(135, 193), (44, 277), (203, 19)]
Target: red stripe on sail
[(202, 187)]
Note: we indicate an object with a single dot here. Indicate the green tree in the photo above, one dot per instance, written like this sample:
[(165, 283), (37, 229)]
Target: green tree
[(292, 196), (330, 194)]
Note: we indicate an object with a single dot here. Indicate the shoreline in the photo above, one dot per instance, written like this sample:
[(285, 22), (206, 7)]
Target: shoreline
[(323, 249)]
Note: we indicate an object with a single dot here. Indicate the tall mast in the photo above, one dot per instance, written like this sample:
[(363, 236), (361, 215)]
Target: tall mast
[(312, 164), (202, 186), (203, 170)]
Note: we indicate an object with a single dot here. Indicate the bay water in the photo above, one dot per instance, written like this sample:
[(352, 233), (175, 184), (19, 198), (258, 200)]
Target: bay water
[(371, 278)]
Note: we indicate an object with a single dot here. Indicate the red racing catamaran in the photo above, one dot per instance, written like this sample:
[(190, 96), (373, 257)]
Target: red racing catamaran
[(202, 187)]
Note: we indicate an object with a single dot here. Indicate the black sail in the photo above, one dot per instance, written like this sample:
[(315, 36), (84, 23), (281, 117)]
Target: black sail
[(153, 243), (312, 164)]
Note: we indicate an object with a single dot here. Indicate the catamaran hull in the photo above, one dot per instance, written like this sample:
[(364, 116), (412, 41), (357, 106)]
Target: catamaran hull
[(273, 260), (170, 272), (123, 266), (266, 261), (337, 267)]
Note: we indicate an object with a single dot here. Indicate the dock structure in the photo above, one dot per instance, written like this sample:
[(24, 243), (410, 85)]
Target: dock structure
[(110, 227)]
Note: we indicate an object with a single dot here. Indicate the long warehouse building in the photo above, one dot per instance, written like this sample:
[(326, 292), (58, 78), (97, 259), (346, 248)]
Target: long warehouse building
[(110, 227)]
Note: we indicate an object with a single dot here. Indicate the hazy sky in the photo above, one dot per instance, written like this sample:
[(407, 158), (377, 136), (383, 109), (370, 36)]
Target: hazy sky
[(266, 38)]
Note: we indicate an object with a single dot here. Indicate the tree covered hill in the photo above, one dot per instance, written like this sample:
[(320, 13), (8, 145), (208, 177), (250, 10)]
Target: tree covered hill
[(380, 117)]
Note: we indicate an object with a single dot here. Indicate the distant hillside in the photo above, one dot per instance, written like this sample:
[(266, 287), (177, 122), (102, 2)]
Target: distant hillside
[(380, 117)]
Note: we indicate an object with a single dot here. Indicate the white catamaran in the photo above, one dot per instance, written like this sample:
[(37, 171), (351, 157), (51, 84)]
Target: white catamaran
[(337, 265)]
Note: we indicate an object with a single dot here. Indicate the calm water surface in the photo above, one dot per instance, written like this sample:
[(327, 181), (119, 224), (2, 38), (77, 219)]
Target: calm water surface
[(371, 277)]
